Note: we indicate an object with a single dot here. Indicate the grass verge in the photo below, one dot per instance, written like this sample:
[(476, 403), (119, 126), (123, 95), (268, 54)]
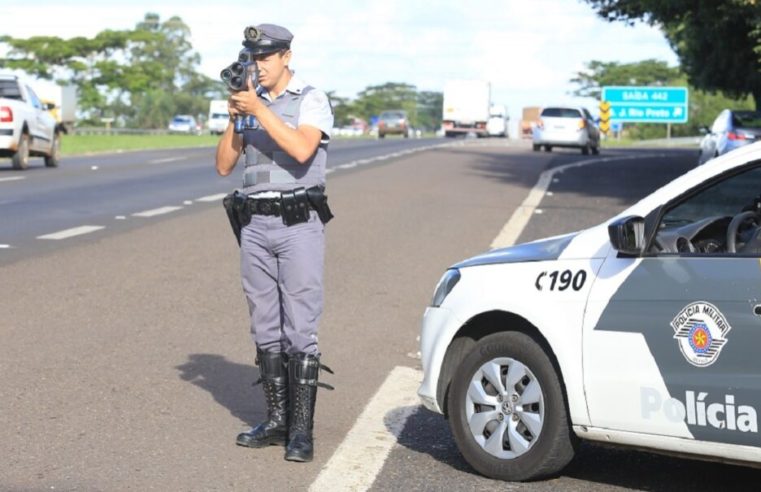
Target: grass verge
[(87, 144)]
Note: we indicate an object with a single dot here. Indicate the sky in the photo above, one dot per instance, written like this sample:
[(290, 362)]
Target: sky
[(527, 49)]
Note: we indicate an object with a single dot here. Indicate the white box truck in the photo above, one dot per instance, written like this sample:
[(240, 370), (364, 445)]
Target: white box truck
[(466, 107), (498, 121), (218, 116), (64, 99)]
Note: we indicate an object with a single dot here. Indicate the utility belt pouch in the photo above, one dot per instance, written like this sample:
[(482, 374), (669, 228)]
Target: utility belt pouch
[(319, 201), (238, 212), (294, 206)]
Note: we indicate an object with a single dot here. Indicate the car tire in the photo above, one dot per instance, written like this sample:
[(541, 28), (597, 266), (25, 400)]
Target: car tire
[(585, 150), (548, 148), (596, 149), (54, 158), (534, 452), (536, 147), (381, 135), (21, 157)]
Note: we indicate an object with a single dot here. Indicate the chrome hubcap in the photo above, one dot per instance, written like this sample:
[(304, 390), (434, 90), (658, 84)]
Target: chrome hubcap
[(504, 408)]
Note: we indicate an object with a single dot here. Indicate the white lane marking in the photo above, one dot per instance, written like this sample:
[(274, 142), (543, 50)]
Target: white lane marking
[(167, 159), (212, 198), (361, 455), (156, 211), (187, 202), (369, 160), (518, 221), (120, 217), (5, 246), (13, 178), (74, 231)]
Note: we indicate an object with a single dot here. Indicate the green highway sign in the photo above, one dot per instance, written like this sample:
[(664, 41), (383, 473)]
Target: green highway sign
[(630, 104)]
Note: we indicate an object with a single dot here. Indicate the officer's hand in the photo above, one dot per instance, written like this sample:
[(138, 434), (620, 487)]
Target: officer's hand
[(247, 102), (231, 107)]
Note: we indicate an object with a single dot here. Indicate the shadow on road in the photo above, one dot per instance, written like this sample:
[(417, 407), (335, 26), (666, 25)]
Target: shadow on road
[(230, 383), (428, 433), (626, 180)]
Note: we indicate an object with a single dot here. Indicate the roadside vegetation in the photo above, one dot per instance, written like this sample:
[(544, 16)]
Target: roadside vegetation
[(95, 144)]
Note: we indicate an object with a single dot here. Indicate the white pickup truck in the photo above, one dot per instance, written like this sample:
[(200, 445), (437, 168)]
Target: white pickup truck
[(26, 127)]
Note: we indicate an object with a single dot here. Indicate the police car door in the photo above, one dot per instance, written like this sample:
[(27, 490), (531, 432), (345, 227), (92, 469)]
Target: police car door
[(672, 339)]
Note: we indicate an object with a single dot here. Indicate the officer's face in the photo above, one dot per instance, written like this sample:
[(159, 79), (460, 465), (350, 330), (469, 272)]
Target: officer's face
[(272, 67)]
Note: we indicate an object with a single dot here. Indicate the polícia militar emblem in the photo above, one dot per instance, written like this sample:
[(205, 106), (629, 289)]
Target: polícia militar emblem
[(701, 331)]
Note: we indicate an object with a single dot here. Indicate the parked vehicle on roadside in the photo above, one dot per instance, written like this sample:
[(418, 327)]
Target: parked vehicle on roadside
[(730, 130), (393, 122), (26, 127), (183, 123), (563, 126), (641, 331)]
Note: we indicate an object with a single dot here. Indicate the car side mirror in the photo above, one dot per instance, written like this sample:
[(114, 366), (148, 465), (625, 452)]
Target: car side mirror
[(627, 235), (49, 106), (704, 130)]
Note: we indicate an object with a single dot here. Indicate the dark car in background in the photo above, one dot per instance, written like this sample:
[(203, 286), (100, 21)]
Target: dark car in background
[(393, 123), (730, 130)]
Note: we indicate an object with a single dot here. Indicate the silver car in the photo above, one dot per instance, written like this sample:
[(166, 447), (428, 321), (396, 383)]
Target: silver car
[(730, 130), (566, 127), (183, 123)]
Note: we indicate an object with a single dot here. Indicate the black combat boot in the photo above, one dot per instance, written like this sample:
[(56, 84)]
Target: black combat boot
[(302, 372), (273, 370)]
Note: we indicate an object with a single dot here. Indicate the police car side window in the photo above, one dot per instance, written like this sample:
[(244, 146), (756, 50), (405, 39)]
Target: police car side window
[(700, 223)]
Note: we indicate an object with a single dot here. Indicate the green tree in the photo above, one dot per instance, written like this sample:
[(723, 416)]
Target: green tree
[(391, 95), (599, 74), (718, 41), (430, 108), (141, 76)]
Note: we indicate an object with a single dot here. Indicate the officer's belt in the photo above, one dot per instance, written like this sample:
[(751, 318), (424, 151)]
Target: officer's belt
[(275, 176), (264, 206)]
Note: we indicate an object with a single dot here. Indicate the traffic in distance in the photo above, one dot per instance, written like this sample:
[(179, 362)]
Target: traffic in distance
[(640, 331)]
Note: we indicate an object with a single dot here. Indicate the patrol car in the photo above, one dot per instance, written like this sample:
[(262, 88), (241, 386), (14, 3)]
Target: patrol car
[(643, 331)]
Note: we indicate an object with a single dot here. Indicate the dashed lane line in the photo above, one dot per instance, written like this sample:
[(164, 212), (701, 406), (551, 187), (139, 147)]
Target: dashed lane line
[(212, 198), (157, 211), (12, 178), (75, 231), (360, 457), (167, 159)]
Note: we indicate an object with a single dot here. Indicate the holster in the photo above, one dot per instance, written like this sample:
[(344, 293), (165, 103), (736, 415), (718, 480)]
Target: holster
[(294, 206), (319, 201), (238, 212)]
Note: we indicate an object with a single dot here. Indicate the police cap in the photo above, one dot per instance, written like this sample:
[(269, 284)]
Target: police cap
[(267, 38)]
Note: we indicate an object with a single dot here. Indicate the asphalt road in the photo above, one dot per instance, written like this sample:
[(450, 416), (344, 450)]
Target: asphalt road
[(125, 354), (117, 192)]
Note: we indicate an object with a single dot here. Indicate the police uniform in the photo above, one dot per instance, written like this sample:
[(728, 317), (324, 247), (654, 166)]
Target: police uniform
[(282, 264)]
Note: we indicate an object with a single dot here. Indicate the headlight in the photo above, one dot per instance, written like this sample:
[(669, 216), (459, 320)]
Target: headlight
[(445, 286)]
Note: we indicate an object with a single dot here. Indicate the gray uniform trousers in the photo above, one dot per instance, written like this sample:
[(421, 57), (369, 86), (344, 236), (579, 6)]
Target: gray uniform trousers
[(281, 271)]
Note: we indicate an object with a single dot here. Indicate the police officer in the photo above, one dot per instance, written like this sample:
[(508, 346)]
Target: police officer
[(282, 247)]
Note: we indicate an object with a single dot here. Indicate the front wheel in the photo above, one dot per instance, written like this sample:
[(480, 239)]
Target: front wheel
[(508, 410), (54, 158)]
